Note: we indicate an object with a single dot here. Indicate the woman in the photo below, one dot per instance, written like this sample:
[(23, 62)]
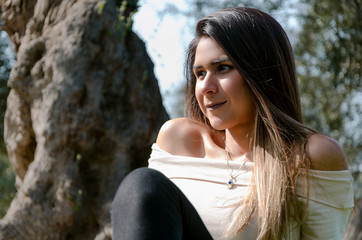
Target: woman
[(242, 165)]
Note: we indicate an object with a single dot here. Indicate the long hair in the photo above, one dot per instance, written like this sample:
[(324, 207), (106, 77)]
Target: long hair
[(260, 50)]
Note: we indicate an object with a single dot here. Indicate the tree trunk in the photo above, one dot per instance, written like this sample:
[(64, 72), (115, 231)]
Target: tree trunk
[(83, 111)]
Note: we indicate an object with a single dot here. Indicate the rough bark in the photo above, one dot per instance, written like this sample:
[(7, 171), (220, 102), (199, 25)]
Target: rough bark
[(83, 111)]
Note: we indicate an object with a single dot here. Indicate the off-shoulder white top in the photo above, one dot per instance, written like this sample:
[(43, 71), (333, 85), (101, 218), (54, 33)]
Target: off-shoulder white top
[(204, 182)]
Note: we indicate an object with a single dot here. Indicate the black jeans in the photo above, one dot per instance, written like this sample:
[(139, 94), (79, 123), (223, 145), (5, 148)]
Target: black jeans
[(148, 205)]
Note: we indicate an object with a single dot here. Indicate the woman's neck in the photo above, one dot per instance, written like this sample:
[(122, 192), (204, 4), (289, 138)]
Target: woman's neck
[(237, 142)]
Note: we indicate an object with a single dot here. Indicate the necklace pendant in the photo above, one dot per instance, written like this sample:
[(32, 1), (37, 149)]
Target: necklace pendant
[(230, 183)]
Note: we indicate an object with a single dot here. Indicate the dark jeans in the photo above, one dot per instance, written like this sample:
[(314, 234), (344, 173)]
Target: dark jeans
[(148, 205)]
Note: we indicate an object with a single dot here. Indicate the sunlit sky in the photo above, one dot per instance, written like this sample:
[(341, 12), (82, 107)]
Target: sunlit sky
[(165, 40)]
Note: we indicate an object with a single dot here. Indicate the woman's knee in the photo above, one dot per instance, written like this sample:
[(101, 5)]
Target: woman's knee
[(139, 185), (139, 176)]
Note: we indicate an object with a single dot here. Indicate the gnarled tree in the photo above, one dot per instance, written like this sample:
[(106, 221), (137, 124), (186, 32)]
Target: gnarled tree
[(83, 111)]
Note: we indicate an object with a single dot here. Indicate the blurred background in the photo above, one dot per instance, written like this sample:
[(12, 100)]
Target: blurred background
[(326, 36)]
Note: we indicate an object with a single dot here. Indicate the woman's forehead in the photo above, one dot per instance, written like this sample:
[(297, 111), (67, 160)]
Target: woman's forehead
[(208, 52)]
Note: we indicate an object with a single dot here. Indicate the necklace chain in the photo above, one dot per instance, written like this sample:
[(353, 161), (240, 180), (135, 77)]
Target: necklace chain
[(232, 177)]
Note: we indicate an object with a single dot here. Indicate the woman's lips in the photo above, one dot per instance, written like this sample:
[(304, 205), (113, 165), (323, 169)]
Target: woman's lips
[(213, 106)]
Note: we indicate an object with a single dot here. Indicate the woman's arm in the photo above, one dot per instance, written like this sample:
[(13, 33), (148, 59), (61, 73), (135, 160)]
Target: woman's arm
[(182, 136), (331, 191), (325, 153)]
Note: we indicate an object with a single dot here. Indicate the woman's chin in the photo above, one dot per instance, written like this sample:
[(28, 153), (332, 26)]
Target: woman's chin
[(217, 126)]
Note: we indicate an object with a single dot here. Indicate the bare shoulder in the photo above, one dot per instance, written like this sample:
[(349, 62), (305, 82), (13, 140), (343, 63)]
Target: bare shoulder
[(182, 136), (325, 153)]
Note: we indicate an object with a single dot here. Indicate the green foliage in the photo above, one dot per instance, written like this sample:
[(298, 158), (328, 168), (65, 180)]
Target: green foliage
[(101, 5), (126, 11), (127, 8), (7, 186), (329, 58), (4, 75), (7, 176)]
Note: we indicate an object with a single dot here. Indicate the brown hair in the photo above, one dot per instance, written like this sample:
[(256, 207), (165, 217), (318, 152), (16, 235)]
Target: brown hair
[(260, 50)]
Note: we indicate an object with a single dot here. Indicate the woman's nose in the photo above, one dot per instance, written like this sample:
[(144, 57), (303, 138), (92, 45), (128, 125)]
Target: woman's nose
[(208, 85)]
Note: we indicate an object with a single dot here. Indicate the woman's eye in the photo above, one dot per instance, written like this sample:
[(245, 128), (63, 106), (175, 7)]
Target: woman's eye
[(224, 68), (200, 74)]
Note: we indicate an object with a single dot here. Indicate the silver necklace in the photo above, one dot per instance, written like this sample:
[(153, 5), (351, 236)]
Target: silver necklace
[(232, 177)]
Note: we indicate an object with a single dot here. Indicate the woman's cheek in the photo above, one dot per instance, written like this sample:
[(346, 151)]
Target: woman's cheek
[(199, 99), (201, 106)]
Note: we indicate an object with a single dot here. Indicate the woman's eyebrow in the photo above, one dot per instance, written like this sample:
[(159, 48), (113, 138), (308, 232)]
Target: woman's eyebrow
[(221, 60), (215, 62)]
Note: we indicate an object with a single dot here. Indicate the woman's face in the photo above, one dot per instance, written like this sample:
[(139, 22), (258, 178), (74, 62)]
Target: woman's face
[(221, 92)]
